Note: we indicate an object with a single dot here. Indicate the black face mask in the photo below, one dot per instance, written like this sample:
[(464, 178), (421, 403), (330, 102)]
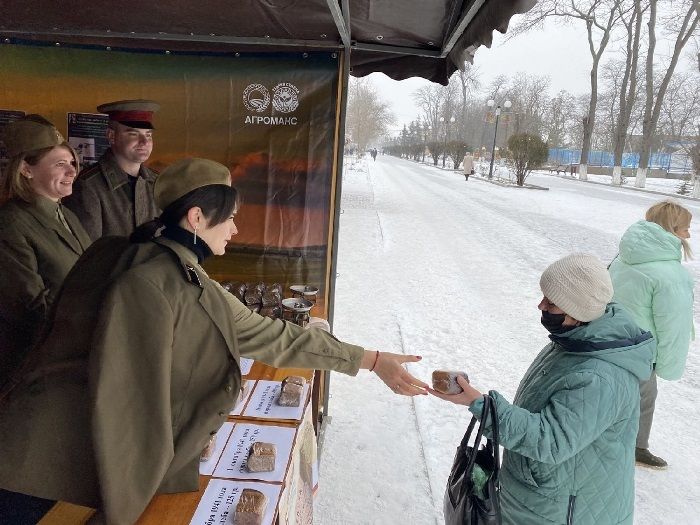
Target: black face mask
[(554, 323)]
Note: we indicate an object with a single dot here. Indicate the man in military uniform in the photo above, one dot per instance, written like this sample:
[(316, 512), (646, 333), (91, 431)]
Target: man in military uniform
[(115, 195)]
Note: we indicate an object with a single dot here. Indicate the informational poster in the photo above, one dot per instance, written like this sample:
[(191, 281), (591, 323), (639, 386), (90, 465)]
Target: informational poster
[(218, 505), (233, 462), (207, 467), (87, 134), (263, 402), (6, 116), (243, 398)]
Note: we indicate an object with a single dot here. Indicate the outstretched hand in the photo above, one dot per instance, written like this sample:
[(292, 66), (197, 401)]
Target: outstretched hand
[(389, 367), (466, 397)]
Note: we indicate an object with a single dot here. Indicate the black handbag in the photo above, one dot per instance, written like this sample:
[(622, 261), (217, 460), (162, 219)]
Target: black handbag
[(464, 503)]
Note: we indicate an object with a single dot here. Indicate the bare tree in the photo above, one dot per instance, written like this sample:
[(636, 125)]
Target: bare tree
[(469, 83), (558, 125), (368, 116), (627, 91), (429, 100), (681, 106), (528, 94), (655, 97), (600, 17)]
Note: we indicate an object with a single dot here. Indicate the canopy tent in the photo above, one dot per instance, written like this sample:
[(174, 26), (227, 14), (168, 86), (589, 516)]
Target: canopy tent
[(402, 39), (426, 38)]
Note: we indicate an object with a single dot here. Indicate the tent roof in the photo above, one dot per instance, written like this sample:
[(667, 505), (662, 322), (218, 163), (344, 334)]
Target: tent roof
[(425, 38)]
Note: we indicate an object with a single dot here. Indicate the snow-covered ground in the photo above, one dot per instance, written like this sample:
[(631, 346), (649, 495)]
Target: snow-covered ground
[(432, 265)]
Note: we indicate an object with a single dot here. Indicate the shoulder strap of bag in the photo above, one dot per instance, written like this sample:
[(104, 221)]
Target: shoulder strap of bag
[(494, 442), (479, 436)]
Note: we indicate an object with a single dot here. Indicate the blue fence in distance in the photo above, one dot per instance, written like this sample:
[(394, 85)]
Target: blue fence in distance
[(673, 162)]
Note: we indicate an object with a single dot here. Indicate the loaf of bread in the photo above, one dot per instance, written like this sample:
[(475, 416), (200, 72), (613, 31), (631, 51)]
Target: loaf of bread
[(445, 381), (292, 389), (261, 457), (238, 289), (253, 296), (250, 508), (275, 287), (208, 451), (271, 298)]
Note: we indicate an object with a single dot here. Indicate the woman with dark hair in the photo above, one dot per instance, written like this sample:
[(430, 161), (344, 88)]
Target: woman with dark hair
[(141, 364), (40, 240)]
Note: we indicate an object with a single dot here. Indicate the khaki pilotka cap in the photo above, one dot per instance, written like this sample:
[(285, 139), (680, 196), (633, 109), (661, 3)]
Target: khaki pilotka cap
[(24, 135), (132, 113), (178, 179)]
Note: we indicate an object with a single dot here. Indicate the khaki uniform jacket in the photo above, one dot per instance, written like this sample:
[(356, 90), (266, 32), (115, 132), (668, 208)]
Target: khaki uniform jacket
[(104, 202), (36, 253), (140, 367)]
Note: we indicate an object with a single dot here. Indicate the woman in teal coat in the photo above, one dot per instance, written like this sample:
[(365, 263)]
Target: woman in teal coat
[(569, 433), (650, 281)]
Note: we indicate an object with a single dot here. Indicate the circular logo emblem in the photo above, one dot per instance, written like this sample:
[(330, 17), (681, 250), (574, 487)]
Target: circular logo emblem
[(285, 97), (256, 97)]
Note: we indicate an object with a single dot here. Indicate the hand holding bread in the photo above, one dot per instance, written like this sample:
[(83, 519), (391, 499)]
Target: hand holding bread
[(466, 397)]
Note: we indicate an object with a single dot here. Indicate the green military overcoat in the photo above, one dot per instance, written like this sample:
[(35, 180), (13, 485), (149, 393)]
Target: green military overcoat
[(36, 253), (141, 365), (105, 203)]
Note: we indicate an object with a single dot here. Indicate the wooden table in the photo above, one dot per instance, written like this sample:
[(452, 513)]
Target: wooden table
[(178, 509)]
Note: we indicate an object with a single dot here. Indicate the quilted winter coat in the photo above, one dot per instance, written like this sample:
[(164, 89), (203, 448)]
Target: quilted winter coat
[(569, 434), (652, 284)]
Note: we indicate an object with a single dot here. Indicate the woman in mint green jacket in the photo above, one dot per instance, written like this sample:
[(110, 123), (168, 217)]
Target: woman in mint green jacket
[(569, 433), (650, 281)]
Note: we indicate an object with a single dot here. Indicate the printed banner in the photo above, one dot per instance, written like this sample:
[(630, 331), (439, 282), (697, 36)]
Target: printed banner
[(269, 117)]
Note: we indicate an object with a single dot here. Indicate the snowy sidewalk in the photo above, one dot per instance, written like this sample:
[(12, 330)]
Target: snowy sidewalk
[(448, 269)]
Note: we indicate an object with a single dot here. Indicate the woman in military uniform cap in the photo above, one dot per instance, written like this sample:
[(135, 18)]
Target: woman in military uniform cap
[(141, 364), (40, 240)]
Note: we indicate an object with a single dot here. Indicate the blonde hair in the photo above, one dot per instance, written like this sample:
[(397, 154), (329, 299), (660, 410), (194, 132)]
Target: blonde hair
[(14, 184), (672, 217)]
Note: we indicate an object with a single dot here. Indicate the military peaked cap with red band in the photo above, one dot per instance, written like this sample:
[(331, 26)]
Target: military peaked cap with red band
[(132, 113)]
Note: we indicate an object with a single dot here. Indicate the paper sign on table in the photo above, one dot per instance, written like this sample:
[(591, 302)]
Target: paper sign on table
[(263, 402), (207, 467), (246, 365), (243, 397), (233, 460), (218, 504)]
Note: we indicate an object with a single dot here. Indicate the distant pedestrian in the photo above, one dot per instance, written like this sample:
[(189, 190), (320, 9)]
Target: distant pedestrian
[(468, 165), (653, 285), (373, 152)]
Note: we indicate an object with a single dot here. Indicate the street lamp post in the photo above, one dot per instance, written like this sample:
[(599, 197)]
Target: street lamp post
[(491, 103), (444, 143)]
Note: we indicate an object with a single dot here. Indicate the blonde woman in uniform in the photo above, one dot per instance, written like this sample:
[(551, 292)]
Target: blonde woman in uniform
[(40, 240)]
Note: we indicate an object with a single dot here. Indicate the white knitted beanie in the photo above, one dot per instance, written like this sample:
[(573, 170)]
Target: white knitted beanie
[(579, 284)]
